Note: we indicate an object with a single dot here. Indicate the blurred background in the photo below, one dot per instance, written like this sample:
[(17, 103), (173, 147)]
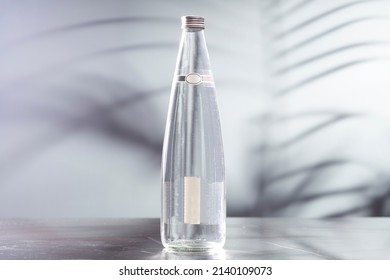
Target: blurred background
[(303, 92)]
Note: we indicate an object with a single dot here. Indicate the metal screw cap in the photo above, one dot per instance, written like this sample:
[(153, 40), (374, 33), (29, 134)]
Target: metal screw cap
[(192, 22)]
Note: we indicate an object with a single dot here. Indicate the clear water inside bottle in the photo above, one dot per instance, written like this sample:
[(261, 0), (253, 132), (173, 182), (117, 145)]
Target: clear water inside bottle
[(193, 191)]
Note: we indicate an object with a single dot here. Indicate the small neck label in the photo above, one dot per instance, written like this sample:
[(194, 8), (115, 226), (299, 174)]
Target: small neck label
[(196, 79)]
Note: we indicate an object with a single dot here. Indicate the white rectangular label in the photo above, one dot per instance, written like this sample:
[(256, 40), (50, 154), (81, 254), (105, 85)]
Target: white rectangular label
[(191, 200)]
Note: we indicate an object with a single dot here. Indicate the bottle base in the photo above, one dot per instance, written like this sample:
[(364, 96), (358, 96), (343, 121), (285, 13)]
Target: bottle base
[(193, 246)]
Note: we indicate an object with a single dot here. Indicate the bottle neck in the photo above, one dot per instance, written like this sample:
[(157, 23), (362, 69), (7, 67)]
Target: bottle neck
[(193, 55), (192, 29)]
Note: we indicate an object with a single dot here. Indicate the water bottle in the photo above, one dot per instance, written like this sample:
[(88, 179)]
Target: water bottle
[(193, 169)]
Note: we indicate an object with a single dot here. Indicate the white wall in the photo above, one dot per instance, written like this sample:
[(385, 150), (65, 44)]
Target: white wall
[(84, 88)]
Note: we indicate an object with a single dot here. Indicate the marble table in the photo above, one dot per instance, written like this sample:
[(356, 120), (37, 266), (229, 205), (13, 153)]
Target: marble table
[(247, 239)]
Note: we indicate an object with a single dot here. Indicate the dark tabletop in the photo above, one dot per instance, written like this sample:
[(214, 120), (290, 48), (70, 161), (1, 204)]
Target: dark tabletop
[(247, 238)]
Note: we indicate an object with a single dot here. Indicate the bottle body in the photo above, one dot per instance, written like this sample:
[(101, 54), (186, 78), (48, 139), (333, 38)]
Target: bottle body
[(193, 173)]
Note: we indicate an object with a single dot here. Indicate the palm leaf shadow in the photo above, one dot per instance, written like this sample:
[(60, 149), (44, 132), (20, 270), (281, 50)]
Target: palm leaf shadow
[(334, 119), (99, 116), (326, 73), (266, 204), (295, 8), (80, 26), (326, 54), (325, 33), (320, 16), (68, 64), (312, 172)]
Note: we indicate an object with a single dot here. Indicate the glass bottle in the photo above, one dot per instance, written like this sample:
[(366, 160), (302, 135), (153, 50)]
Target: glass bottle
[(193, 170)]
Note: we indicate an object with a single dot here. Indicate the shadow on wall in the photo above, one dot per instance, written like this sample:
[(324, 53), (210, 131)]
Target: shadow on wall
[(83, 101), (327, 140)]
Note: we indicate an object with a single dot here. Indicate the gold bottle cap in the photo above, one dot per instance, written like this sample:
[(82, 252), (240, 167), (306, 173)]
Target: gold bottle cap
[(192, 22)]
